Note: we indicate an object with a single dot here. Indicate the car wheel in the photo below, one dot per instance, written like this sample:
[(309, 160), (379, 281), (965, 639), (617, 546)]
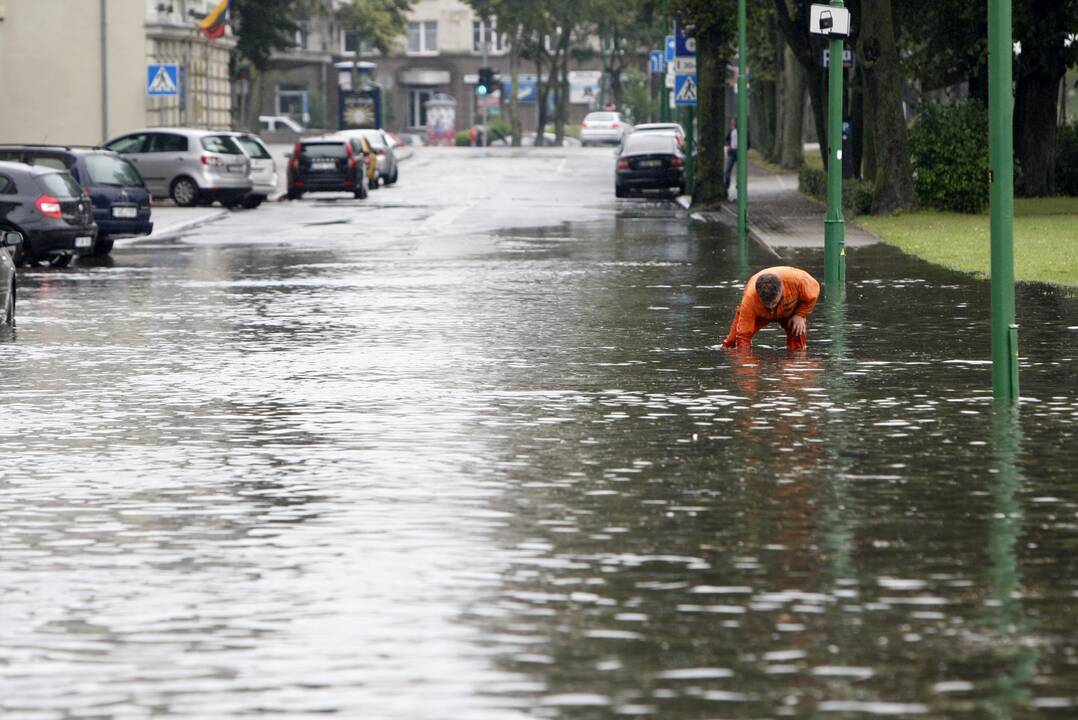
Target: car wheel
[(103, 246), (9, 311), (54, 261), (184, 192), (620, 192), (393, 178), (294, 194), (232, 203), (252, 201), (375, 182)]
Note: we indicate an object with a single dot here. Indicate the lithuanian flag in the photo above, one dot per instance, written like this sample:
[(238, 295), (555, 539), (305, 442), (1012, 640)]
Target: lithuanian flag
[(213, 25)]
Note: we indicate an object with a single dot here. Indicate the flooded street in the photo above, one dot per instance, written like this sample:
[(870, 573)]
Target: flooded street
[(448, 455)]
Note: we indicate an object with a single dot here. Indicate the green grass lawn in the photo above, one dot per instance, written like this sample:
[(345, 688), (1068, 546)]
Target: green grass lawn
[(1045, 239)]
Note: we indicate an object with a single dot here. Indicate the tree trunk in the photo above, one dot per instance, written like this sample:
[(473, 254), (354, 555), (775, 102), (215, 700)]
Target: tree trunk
[(793, 28), (563, 95), (762, 117), (780, 96), (1040, 67), (857, 121), (793, 113), (883, 90), (542, 92), (514, 88), (708, 187)]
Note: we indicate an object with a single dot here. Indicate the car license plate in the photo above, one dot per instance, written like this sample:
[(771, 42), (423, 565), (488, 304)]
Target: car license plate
[(84, 242), (124, 212), (236, 168), (650, 163), (324, 165)]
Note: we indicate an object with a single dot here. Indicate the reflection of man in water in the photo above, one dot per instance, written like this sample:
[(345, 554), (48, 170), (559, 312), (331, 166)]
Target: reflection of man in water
[(783, 294)]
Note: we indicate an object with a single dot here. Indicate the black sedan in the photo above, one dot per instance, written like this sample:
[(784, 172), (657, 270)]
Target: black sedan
[(650, 162), (50, 210)]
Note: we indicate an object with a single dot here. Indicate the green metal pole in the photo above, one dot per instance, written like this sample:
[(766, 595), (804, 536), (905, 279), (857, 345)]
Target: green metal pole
[(742, 124), (834, 242), (690, 142), (1001, 149)]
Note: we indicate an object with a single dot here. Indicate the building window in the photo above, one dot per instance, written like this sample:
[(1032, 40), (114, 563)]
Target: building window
[(417, 107), (348, 44), (302, 34), (423, 36), (293, 101), (481, 29)]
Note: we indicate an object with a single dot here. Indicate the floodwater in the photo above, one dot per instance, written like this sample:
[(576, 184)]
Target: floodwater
[(526, 482)]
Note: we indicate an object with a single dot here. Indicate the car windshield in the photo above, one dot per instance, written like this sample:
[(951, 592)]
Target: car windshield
[(650, 142), (375, 139), (332, 150), (253, 147), (108, 170), (221, 144), (59, 185)]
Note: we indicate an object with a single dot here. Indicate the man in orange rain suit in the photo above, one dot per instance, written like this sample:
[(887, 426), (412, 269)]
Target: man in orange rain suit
[(783, 294)]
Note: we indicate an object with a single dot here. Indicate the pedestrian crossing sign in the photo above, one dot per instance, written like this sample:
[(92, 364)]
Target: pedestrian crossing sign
[(162, 79), (685, 89)]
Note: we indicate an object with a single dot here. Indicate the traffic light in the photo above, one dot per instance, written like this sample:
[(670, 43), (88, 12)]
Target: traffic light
[(487, 78)]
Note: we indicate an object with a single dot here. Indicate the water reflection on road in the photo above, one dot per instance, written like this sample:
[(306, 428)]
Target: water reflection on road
[(527, 482)]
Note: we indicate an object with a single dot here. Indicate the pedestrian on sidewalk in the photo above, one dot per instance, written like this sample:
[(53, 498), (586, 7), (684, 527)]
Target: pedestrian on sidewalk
[(731, 152), (780, 294)]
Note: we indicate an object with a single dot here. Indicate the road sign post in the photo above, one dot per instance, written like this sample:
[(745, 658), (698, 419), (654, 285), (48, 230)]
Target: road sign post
[(668, 52), (1001, 194), (742, 125), (685, 94)]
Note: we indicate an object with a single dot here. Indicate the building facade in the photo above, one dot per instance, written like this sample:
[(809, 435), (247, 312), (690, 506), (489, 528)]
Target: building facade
[(75, 71)]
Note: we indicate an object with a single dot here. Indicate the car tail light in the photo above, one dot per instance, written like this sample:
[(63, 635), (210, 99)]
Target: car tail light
[(296, 152), (49, 206), (583, 125), (212, 160), (351, 156), (615, 124), (623, 164), (677, 162)]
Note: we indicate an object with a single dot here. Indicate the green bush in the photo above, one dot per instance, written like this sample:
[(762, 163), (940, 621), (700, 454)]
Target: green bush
[(463, 138), (856, 194), (1067, 159), (498, 129), (949, 153)]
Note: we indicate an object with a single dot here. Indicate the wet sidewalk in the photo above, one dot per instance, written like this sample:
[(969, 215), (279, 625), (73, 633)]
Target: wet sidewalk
[(780, 216)]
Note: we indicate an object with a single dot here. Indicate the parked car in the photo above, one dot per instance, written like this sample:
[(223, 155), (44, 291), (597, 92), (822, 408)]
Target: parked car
[(383, 151), (603, 127), (277, 123), (263, 168), (49, 209), (8, 239), (121, 202), (188, 165), (331, 164), (675, 128), (650, 161)]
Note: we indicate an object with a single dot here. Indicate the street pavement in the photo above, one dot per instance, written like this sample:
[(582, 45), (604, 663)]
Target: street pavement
[(471, 449)]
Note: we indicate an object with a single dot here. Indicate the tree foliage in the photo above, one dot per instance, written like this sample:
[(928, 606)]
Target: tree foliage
[(262, 26), (378, 23)]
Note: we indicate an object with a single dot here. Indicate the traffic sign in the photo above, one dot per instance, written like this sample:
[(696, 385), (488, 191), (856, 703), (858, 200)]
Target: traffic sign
[(685, 89), (162, 79), (671, 48), (685, 66), (684, 46), (847, 57), (656, 61)]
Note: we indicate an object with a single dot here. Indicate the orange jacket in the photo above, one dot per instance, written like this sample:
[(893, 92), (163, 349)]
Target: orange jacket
[(800, 291)]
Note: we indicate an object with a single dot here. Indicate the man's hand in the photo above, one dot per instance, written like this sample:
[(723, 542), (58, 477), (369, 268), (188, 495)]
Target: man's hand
[(798, 326)]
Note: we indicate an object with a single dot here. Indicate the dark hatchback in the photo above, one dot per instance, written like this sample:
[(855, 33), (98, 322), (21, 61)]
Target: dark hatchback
[(121, 203), (650, 161), (327, 165), (50, 210)]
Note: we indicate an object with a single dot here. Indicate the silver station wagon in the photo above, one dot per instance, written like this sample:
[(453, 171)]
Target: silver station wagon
[(191, 166)]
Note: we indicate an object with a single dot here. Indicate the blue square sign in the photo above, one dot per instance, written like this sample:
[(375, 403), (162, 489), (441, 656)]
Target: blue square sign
[(670, 48), (162, 79)]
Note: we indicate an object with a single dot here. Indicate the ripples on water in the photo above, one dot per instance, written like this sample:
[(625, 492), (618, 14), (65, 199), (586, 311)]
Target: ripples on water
[(528, 484)]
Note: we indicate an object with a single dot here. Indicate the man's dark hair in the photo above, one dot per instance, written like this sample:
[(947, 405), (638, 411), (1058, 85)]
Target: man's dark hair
[(768, 287)]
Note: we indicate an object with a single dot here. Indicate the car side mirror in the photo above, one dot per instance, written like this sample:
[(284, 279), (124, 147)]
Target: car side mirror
[(10, 238)]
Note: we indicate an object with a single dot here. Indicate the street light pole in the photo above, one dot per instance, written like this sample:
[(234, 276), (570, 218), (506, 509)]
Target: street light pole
[(742, 124), (1001, 150), (834, 225)]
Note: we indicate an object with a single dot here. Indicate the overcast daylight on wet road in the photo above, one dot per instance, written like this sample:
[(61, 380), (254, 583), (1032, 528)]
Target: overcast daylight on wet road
[(471, 449)]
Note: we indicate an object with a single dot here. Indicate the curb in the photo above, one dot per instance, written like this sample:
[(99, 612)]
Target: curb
[(173, 231), (730, 218)]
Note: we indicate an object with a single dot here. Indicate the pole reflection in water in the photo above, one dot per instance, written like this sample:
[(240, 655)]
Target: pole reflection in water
[(1005, 617)]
